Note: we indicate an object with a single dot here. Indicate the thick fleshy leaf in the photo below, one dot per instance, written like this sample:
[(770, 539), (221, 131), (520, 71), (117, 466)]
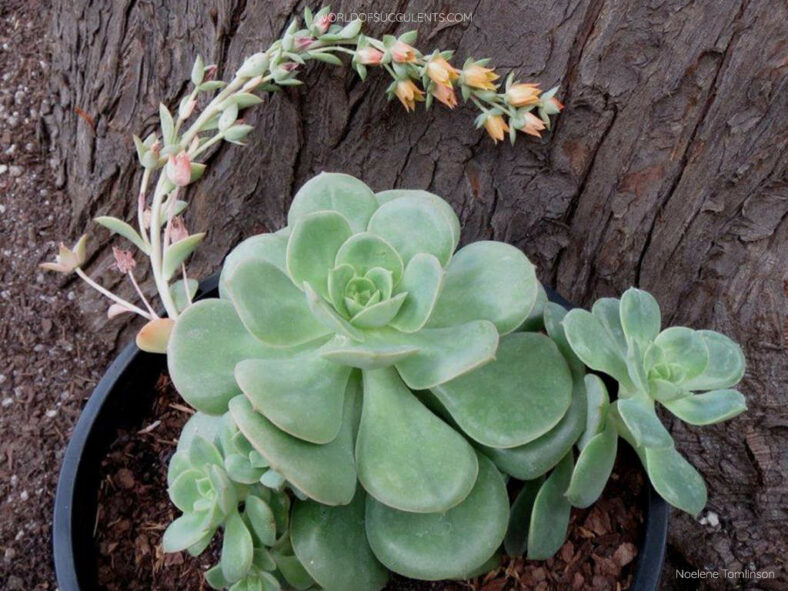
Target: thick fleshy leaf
[(367, 355), (535, 320), (709, 408), (261, 518), (675, 479), (407, 457), (303, 395), (313, 246), (534, 459), (514, 399), (643, 423), (328, 317), (270, 306), (593, 468), (422, 281), (199, 425), (326, 472), (185, 531), (206, 344), (336, 192), (365, 251), (516, 541), (598, 403), (682, 346), (664, 391), (338, 278), (123, 229), (433, 546), (595, 347), (183, 293), (438, 203), (640, 317), (183, 491), (380, 314), (271, 248), (725, 367), (413, 225), (177, 252), (332, 545), (487, 281), (154, 336), (293, 571), (553, 316), (445, 353), (608, 312), (383, 280), (237, 549), (550, 514)]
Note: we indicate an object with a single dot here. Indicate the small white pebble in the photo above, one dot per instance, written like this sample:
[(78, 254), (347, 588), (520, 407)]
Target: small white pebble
[(51, 413), (23, 495), (3, 168), (7, 402)]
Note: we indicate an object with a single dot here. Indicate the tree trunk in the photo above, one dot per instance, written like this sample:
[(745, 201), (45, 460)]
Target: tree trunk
[(667, 170)]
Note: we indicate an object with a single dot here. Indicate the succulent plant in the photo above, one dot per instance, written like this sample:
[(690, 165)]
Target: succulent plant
[(622, 338), (356, 345), (214, 479)]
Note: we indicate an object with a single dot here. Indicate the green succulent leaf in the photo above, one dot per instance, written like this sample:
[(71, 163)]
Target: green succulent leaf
[(608, 312), (642, 422), (328, 317), (207, 342), (185, 531), (593, 468), (413, 225), (444, 353), (271, 307), (261, 519), (338, 278), (422, 280), (177, 252), (178, 291), (553, 317), (407, 457), (293, 571), (237, 549), (433, 546), (675, 479), (332, 544), (598, 403), (535, 320), (595, 346), (709, 408), (487, 281), (123, 229), (313, 246), (725, 367), (335, 192), (365, 251), (183, 491), (664, 391), (270, 248), (303, 395), (534, 459), (682, 347), (366, 355), (516, 541), (640, 316), (380, 314), (325, 473), (514, 399), (436, 202), (550, 513), (199, 425)]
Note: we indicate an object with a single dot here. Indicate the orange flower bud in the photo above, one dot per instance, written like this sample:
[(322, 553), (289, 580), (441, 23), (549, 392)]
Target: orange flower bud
[(532, 125), (402, 52), (369, 56), (522, 94), (445, 94), (479, 77), (323, 22), (408, 93), (556, 104), (496, 127), (440, 71)]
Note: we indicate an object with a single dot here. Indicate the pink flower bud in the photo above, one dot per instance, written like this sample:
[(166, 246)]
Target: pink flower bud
[(323, 22), (289, 66), (123, 260), (178, 229), (369, 56), (209, 72), (301, 43), (179, 169), (189, 109)]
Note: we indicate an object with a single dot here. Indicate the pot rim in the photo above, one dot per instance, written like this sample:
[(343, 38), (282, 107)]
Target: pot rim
[(75, 571)]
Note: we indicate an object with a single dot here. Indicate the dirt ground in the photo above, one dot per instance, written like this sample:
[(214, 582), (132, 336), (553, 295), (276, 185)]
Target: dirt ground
[(48, 363)]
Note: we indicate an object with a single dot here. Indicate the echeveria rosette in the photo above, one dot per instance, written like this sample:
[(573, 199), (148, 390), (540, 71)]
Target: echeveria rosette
[(326, 328), (690, 372)]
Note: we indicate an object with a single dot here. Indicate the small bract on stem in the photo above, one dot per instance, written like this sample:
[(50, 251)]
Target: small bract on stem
[(173, 154)]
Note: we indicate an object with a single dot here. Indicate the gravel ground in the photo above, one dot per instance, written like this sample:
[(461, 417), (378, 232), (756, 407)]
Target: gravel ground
[(48, 366)]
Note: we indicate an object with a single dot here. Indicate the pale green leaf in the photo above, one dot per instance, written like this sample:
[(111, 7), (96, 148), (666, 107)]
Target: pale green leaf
[(436, 202), (422, 281), (640, 317), (643, 423), (598, 403), (123, 229), (593, 468), (338, 278), (684, 347), (271, 248), (366, 355), (709, 408), (550, 513), (338, 192), (185, 531), (553, 317), (516, 541), (675, 479), (608, 312), (407, 457), (434, 546), (328, 317), (261, 518), (178, 291), (183, 490), (725, 367), (177, 253), (365, 251), (237, 549), (380, 314)]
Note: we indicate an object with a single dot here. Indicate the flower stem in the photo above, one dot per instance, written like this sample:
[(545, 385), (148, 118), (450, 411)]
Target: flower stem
[(118, 300)]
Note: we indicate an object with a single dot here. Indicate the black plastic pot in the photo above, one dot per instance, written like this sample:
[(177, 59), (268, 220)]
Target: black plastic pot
[(125, 394)]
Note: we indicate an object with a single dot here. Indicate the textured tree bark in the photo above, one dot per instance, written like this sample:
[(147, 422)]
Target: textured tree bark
[(667, 170)]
